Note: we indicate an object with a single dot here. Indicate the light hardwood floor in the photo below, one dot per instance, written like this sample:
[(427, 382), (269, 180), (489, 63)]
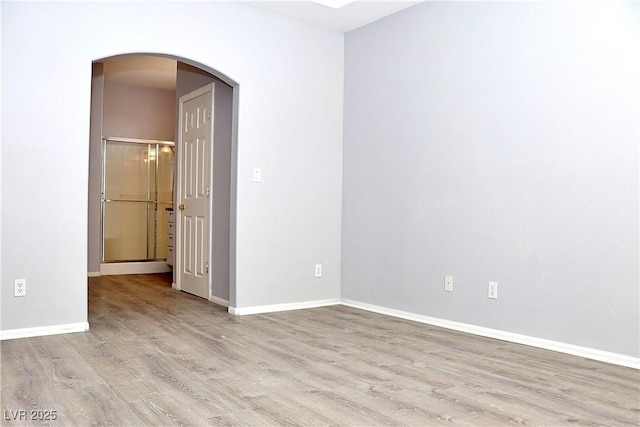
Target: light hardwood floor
[(155, 356)]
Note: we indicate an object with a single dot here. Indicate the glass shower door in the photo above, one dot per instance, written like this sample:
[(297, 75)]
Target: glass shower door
[(131, 199)]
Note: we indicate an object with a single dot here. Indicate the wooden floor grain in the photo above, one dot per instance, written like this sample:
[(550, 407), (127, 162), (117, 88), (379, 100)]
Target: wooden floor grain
[(155, 356)]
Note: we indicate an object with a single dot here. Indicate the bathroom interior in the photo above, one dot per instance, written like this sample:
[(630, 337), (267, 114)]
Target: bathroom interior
[(132, 161)]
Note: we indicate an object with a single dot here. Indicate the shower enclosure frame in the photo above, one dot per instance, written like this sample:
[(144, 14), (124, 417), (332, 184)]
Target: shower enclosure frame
[(148, 142)]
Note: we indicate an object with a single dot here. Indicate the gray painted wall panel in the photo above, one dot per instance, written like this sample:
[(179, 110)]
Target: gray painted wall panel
[(94, 241), (138, 112), (497, 142)]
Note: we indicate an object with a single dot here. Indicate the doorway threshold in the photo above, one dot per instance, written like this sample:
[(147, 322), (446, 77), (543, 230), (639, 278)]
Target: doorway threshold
[(143, 267)]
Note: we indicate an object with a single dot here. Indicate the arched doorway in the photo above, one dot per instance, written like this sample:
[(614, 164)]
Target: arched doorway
[(146, 75)]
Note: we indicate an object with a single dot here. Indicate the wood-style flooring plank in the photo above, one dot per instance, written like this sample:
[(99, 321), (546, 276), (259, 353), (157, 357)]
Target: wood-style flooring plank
[(155, 356)]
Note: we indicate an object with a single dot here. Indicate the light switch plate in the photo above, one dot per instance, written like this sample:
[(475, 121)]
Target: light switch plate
[(257, 175)]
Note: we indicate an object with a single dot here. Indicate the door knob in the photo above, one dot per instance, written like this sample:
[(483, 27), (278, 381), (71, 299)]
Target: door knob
[(181, 206)]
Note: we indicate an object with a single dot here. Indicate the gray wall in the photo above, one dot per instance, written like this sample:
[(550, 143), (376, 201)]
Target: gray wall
[(289, 122), (497, 141), (138, 112), (95, 169), (189, 79)]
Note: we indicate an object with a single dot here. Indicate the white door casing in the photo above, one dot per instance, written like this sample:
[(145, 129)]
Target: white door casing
[(194, 195)]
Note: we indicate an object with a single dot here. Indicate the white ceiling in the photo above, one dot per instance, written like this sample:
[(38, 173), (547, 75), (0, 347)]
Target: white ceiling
[(157, 72), (142, 70), (344, 19)]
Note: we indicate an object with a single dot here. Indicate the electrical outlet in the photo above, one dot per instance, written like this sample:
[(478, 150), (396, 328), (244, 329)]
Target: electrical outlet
[(318, 270), (448, 283), (493, 290), (20, 287)]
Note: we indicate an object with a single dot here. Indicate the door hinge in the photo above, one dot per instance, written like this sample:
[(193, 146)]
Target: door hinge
[(206, 267), (209, 114), (207, 192)]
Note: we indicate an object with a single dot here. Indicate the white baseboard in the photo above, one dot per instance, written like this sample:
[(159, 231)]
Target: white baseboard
[(586, 352), (94, 274), (150, 267), (11, 334), (214, 299), (241, 311), (219, 301), (575, 350)]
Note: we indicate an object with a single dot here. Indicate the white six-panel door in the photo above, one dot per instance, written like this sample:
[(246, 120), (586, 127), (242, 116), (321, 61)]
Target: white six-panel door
[(194, 194)]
